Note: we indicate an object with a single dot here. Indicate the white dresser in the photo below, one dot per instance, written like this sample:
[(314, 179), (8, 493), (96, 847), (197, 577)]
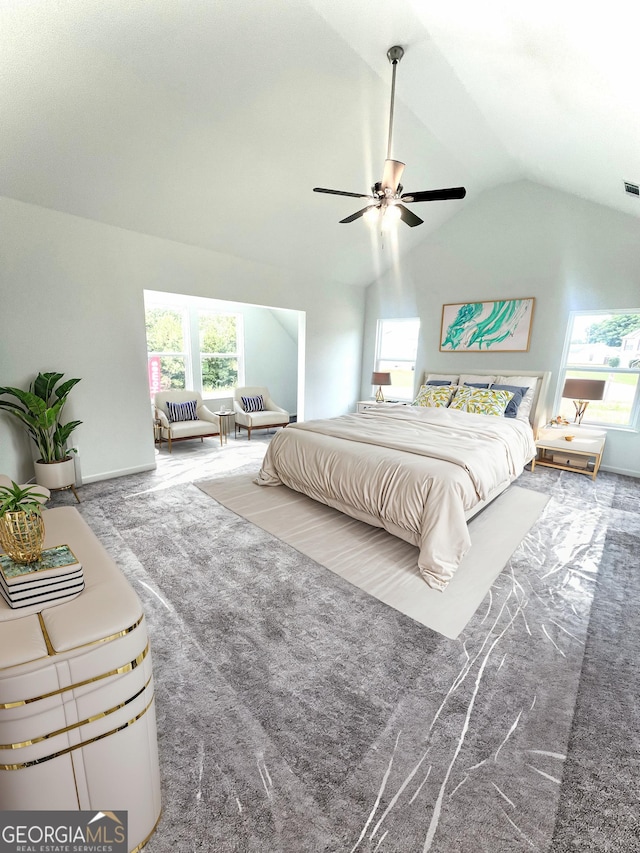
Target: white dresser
[(77, 712)]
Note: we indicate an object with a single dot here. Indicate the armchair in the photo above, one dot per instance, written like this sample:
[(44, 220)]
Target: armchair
[(269, 417), (204, 425)]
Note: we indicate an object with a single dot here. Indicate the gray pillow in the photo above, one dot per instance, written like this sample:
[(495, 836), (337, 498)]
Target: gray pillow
[(518, 394)]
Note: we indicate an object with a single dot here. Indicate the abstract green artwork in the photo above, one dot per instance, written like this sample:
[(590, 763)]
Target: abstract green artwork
[(503, 325)]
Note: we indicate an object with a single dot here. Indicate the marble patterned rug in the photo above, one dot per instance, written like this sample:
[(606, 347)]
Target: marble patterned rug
[(296, 713)]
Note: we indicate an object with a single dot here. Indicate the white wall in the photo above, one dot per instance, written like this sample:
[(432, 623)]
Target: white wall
[(271, 356), (71, 296), (518, 240)]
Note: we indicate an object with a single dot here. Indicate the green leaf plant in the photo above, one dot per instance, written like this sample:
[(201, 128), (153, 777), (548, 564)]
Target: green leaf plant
[(39, 410), (15, 498)]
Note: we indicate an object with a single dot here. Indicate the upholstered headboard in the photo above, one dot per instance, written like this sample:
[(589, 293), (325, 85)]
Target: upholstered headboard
[(538, 415)]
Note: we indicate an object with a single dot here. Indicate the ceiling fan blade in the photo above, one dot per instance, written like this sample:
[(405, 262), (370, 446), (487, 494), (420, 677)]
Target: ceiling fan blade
[(409, 216), (393, 170), (357, 215), (435, 195), (341, 192)]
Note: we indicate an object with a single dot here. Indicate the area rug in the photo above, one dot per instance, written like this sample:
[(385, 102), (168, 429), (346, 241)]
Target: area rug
[(378, 563)]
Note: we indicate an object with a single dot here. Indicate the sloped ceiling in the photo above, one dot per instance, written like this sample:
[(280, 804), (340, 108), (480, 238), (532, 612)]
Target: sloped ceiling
[(210, 122)]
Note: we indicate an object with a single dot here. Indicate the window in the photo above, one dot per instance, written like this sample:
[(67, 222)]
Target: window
[(167, 357), (190, 345), (396, 350), (218, 336), (604, 345)]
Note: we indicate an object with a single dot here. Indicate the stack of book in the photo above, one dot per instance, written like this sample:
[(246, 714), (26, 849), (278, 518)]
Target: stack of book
[(56, 575)]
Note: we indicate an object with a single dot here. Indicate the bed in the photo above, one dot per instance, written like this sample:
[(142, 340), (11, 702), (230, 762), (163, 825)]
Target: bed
[(420, 471)]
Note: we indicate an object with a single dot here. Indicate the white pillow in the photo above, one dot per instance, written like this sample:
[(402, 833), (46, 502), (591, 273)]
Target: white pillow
[(471, 377), (530, 382)]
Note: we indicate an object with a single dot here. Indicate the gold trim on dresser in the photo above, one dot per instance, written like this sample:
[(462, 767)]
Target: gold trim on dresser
[(108, 639), (77, 725), (146, 840), (50, 649), (127, 667), (52, 652), (78, 745)]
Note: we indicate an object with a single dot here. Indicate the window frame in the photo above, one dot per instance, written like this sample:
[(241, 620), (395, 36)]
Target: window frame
[(633, 424), (397, 392), (238, 353), (178, 308), (190, 308)]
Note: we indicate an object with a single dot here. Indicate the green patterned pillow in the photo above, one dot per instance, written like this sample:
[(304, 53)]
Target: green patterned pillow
[(481, 401), (436, 396)]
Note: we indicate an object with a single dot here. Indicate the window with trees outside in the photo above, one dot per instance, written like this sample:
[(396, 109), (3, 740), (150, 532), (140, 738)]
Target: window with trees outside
[(218, 338), (192, 346), (605, 345), (396, 351)]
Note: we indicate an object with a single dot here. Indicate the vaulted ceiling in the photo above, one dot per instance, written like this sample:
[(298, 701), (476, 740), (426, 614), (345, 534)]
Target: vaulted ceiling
[(210, 122)]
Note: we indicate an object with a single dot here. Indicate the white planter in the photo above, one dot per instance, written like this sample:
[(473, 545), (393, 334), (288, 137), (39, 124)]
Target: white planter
[(56, 475)]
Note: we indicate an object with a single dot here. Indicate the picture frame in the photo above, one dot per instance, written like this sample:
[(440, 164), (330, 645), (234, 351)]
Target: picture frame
[(500, 325)]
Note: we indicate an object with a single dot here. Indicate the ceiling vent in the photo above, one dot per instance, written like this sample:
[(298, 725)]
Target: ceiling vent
[(632, 189)]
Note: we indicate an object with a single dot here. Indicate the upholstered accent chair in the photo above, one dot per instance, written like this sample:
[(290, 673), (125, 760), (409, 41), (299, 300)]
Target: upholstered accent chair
[(254, 414), (179, 421)]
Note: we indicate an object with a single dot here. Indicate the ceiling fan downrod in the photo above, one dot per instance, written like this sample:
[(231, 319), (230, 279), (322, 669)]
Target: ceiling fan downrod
[(394, 55)]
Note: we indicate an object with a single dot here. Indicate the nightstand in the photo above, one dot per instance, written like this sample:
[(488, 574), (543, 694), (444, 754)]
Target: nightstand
[(582, 454)]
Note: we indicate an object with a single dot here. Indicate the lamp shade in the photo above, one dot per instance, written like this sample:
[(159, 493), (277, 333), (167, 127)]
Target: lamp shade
[(584, 389), (380, 378)]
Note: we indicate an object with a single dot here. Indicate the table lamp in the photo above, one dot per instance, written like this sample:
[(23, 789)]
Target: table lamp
[(380, 379), (582, 391)]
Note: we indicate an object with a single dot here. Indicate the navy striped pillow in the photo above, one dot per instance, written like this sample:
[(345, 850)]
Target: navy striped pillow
[(182, 411), (253, 404)]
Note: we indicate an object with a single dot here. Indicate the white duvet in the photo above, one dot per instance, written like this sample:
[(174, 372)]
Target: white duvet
[(414, 471)]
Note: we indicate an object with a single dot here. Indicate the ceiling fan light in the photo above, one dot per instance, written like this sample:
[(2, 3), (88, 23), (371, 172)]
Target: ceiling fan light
[(372, 214), (391, 217)]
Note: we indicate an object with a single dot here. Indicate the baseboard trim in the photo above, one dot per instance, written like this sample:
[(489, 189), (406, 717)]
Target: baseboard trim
[(624, 471), (122, 472)]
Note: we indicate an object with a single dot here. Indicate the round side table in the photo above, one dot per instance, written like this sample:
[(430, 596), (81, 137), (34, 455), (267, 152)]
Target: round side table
[(225, 423)]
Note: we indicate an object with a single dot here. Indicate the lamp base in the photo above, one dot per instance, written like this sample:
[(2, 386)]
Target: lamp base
[(379, 395), (581, 408)]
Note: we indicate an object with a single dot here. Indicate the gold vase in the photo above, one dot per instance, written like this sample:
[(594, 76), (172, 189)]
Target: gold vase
[(22, 535)]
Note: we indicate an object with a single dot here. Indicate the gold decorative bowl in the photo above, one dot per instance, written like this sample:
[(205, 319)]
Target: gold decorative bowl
[(568, 437)]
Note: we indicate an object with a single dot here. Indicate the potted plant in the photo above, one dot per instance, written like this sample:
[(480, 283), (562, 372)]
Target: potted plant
[(21, 523), (40, 411)]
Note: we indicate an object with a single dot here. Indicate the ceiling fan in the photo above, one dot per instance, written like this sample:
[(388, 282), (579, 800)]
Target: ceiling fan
[(387, 200)]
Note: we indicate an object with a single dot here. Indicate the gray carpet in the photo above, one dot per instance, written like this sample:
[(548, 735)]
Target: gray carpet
[(296, 713), (600, 806)]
